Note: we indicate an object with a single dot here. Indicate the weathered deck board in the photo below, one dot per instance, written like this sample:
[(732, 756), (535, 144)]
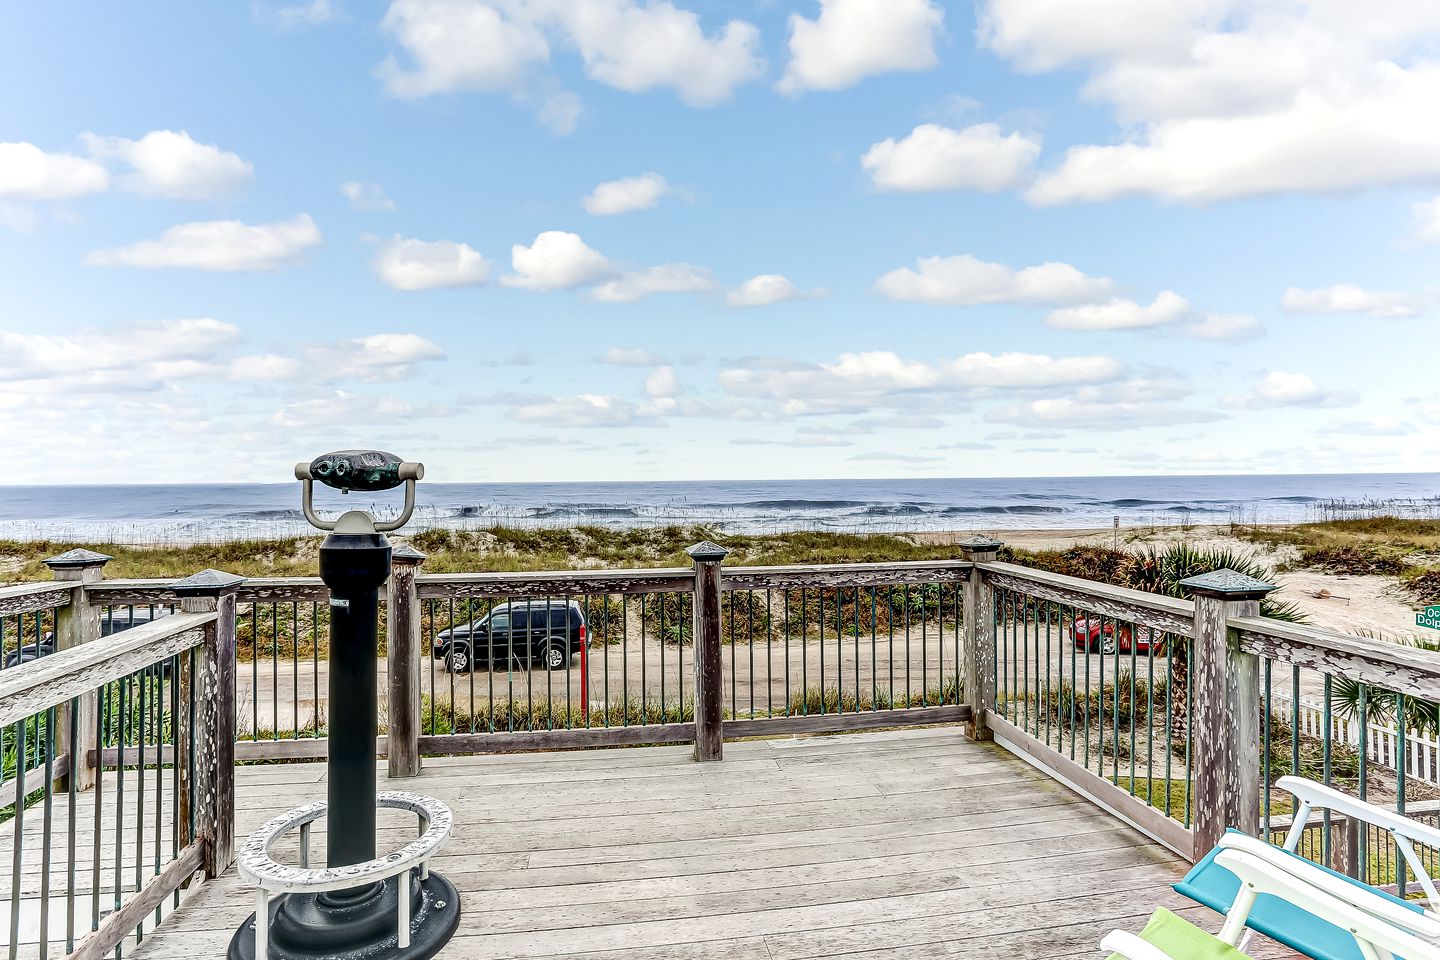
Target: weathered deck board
[(867, 845)]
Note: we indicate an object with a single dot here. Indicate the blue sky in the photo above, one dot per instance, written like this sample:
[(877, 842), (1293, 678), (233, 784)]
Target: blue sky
[(615, 239)]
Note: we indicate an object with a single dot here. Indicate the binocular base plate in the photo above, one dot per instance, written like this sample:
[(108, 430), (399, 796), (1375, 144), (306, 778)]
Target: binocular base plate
[(360, 923)]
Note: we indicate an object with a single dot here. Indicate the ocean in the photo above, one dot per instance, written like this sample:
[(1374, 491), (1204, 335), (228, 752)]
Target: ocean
[(173, 514)]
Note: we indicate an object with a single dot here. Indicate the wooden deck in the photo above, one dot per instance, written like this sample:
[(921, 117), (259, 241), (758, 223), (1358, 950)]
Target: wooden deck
[(870, 845)]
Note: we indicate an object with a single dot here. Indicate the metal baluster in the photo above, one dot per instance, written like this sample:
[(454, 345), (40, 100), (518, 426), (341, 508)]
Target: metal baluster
[(17, 852), (1401, 728)]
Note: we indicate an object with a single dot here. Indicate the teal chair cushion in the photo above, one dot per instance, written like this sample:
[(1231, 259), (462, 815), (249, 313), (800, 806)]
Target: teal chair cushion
[(1210, 884)]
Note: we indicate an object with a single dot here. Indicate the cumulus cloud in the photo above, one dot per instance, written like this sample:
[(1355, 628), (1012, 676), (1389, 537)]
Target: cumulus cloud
[(347, 407), (965, 280), (1427, 220), (1129, 404), (1285, 389), (583, 410), (29, 173), (1220, 99), (855, 39), (935, 157), (220, 245), (379, 356), (129, 357), (666, 278), (1223, 326), (663, 384), (626, 195), (491, 45), (557, 260), (1349, 298), (1370, 427), (1121, 314), (859, 380), (297, 15), (170, 163), (366, 196), (631, 357), (409, 264), (763, 290)]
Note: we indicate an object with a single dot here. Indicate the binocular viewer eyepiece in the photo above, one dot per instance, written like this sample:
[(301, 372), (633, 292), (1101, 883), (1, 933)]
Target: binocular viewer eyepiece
[(370, 471)]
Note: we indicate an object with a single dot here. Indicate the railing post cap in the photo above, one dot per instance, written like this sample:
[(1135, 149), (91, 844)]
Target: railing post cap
[(1228, 585), (206, 582), (979, 543), (707, 551), (77, 558), (407, 554)]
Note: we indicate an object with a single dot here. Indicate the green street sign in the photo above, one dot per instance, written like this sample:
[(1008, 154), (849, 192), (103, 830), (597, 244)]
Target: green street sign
[(1429, 617)]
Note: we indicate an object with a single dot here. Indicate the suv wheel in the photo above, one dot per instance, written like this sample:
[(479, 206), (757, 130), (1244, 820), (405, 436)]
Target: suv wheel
[(554, 654), (458, 661)]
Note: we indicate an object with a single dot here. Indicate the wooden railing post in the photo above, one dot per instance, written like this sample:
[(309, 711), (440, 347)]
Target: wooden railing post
[(402, 658), (1224, 708), (978, 642), (75, 623), (705, 623), (214, 740)]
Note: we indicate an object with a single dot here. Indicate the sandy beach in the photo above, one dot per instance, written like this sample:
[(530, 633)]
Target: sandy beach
[(1366, 605)]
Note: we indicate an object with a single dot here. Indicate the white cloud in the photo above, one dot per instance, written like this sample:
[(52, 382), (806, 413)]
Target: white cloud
[(459, 45), (170, 163), (965, 280), (130, 357), (1223, 326), (663, 384), (1371, 427), (366, 196), (666, 278), (763, 290), (934, 157), (1221, 98), (1284, 389), (223, 245), (1427, 220), (345, 407), (266, 368), (631, 357), (493, 45), (584, 410), (409, 264), (861, 381), (1074, 413), (311, 14), (887, 457), (560, 112), (854, 39), (29, 173), (626, 195), (379, 356), (1121, 314), (1349, 298), (557, 260)]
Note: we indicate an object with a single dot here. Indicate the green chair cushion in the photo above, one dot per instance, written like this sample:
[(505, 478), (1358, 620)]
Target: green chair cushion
[(1182, 940)]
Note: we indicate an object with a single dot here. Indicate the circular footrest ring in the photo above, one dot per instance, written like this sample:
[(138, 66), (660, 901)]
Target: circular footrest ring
[(256, 865)]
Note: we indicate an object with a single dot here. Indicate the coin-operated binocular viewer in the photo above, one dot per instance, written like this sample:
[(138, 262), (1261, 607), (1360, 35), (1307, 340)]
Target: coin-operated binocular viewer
[(387, 908)]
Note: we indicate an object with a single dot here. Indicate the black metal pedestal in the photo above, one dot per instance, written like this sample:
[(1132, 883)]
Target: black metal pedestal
[(360, 922), (312, 926)]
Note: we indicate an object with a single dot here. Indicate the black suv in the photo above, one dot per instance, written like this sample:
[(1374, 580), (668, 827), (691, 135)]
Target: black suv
[(550, 631)]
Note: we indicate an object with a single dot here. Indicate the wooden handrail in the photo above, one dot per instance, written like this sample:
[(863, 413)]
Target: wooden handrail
[(554, 583), (1153, 610), (801, 575), (30, 597), (1390, 666), (29, 688)]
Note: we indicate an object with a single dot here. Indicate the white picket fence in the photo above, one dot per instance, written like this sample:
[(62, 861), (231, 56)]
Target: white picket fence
[(1422, 753)]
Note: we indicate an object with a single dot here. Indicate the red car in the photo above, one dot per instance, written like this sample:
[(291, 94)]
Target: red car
[(1096, 634)]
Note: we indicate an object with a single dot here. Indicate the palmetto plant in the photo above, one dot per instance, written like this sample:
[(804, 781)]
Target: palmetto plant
[(1161, 571)]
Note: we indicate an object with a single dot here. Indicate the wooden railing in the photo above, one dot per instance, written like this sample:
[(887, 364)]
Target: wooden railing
[(1167, 722)]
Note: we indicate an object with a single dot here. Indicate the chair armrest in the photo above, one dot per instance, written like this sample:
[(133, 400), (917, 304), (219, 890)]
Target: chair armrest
[(1132, 947), (1319, 795)]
